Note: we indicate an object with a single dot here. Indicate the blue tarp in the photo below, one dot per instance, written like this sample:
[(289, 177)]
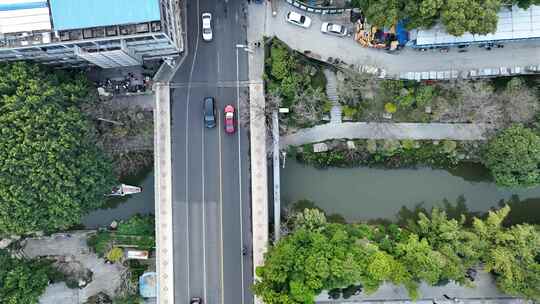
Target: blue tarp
[(147, 285), (77, 14), (401, 33)]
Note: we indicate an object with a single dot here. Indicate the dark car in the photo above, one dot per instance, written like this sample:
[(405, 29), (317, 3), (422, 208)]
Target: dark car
[(209, 112), (196, 300)]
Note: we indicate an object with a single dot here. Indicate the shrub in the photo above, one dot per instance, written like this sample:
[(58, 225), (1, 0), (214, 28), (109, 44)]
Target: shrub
[(99, 243), (390, 108), (513, 157), (115, 254), (349, 111), (449, 146), (371, 146), (408, 144), (424, 95)]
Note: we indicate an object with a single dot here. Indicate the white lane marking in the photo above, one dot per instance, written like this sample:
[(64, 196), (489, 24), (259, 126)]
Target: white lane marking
[(203, 213), (218, 65), (187, 145), (240, 177), (221, 213)]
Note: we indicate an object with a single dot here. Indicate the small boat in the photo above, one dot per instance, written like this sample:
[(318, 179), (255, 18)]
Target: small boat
[(123, 190)]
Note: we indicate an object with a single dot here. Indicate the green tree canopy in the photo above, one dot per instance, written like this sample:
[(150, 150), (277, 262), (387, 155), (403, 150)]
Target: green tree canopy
[(22, 281), (512, 253), (458, 16), (51, 172), (513, 157)]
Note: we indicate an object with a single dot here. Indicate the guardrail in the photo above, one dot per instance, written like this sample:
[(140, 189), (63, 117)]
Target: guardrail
[(315, 9)]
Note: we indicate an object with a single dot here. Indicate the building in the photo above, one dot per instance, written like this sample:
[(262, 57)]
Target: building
[(104, 33), (514, 24)]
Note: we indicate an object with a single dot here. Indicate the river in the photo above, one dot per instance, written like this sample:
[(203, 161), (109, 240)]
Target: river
[(125, 207), (369, 193)]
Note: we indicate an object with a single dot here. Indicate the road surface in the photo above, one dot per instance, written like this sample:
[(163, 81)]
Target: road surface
[(211, 203)]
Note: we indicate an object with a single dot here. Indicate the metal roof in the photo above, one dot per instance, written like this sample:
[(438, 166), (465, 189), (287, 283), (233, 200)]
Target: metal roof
[(514, 23), (70, 14), (24, 16)]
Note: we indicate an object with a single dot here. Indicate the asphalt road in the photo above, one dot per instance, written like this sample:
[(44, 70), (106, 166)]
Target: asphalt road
[(211, 203)]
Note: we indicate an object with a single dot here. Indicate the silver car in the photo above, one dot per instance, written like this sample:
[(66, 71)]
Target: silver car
[(207, 26), (297, 19), (334, 29)]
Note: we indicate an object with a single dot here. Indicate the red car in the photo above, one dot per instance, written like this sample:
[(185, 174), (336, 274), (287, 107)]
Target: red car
[(229, 119)]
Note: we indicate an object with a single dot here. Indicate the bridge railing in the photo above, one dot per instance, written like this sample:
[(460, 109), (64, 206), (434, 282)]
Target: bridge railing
[(315, 9)]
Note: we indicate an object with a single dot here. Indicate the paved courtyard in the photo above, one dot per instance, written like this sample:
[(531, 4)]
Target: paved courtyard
[(409, 60), (106, 277)]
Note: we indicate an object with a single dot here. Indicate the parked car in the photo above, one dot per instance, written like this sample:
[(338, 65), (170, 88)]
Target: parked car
[(209, 112), (334, 29), (298, 19), (207, 27), (196, 300), (229, 119)]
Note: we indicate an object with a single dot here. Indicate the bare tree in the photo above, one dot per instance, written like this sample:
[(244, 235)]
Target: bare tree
[(307, 108), (470, 101), (519, 102)]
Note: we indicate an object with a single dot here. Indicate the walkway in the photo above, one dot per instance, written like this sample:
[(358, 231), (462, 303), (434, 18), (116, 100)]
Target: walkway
[(351, 130), (513, 54), (163, 194), (259, 184), (331, 93), (485, 292)]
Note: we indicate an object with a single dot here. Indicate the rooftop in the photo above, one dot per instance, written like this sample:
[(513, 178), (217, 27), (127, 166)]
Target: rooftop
[(24, 16), (514, 23), (70, 14)]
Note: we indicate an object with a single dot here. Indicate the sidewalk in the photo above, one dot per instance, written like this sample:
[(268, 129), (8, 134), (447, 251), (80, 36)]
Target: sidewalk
[(408, 60), (485, 292), (364, 130), (163, 194), (259, 184)]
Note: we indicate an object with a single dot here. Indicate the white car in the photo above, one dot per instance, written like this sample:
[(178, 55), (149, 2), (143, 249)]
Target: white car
[(334, 29), (207, 26), (297, 19)]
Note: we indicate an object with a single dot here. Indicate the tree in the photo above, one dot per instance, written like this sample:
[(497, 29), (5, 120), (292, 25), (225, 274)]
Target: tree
[(308, 104), (524, 4), (22, 281), (51, 172), (513, 157), (460, 247), (305, 262), (513, 254)]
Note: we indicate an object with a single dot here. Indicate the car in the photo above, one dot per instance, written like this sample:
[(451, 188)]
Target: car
[(196, 300), (209, 112), (229, 119), (298, 19), (334, 29), (207, 27)]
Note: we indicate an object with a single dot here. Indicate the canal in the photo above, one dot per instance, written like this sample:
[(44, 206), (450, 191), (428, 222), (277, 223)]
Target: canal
[(368, 193), (125, 207)]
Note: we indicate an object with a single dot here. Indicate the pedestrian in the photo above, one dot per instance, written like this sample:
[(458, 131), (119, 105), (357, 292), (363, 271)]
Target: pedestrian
[(446, 297)]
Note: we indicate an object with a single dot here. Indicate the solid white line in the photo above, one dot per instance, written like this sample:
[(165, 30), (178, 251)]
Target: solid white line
[(203, 213), (221, 214), (240, 176), (187, 145)]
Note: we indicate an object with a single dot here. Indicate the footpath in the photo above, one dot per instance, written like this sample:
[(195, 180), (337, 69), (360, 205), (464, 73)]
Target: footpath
[(259, 185), (373, 130), (485, 292)]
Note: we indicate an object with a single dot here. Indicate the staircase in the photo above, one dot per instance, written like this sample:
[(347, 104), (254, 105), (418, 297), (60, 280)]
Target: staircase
[(331, 93)]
